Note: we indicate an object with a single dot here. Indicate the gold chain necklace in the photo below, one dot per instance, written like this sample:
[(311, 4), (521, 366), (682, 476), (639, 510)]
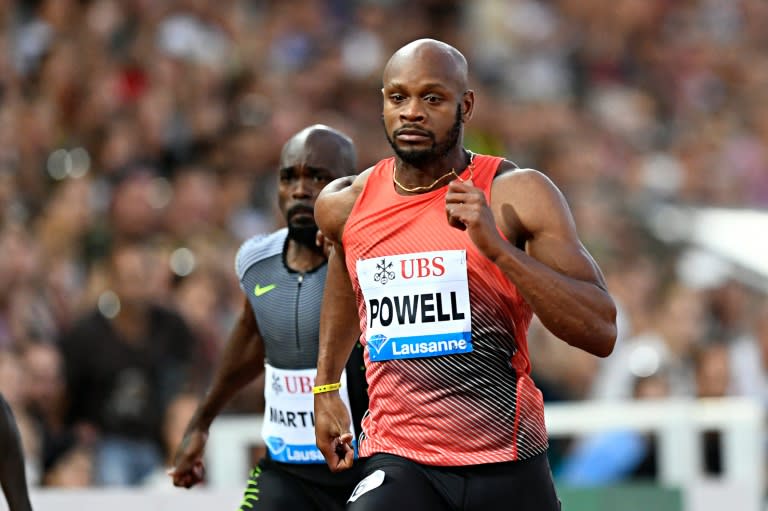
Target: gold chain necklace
[(415, 189)]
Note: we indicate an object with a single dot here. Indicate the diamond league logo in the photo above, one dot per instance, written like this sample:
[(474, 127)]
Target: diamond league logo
[(384, 273), (276, 445), (378, 341)]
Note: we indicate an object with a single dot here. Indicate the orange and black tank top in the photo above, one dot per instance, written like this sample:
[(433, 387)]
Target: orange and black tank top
[(449, 384)]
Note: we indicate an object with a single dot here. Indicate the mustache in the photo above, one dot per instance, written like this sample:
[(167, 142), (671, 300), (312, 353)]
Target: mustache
[(299, 208), (414, 129)]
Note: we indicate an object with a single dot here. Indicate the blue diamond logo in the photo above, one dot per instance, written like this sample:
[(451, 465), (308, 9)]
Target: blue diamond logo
[(276, 445), (377, 342)]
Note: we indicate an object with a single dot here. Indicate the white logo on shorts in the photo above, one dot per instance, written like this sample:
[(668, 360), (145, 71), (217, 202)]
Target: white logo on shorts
[(371, 482)]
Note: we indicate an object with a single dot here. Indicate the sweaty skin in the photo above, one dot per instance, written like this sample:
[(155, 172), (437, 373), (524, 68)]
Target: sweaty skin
[(425, 105)]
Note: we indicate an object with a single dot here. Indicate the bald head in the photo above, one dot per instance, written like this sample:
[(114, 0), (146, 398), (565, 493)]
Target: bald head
[(310, 160), (432, 57), (336, 148)]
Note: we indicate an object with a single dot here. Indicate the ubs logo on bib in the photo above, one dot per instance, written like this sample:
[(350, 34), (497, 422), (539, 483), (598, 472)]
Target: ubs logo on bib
[(276, 384), (384, 272)]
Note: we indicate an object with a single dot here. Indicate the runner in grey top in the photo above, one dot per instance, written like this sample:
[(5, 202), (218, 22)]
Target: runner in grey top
[(282, 276)]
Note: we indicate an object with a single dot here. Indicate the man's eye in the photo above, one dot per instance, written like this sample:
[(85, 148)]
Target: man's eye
[(433, 99)]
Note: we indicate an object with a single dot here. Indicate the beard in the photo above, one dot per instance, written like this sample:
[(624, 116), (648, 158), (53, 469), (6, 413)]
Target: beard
[(418, 157), (304, 235), (302, 231)]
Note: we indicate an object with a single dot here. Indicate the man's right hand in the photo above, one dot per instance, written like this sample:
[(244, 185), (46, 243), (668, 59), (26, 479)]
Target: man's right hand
[(188, 469), (332, 433)]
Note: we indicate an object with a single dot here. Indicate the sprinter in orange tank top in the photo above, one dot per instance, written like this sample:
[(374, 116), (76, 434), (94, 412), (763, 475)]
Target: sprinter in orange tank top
[(442, 256)]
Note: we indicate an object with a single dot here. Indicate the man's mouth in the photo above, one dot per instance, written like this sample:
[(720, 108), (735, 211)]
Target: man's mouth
[(300, 212), (412, 135)]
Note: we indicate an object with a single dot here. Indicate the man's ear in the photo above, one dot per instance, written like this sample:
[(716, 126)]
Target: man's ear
[(467, 105)]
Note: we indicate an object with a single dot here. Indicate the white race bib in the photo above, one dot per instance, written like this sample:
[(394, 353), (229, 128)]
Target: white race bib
[(289, 418), (417, 305)]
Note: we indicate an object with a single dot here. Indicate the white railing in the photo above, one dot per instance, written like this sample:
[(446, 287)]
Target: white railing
[(676, 424)]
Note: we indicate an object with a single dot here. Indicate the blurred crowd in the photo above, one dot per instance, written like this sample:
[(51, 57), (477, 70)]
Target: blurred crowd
[(139, 141)]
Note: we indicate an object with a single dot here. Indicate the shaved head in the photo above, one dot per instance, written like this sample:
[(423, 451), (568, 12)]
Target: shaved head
[(337, 148), (437, 57), (426, 103), (310, 159)]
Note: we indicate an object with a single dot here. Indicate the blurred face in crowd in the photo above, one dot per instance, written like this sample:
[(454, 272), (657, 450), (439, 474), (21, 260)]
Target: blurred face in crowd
[(310, 160), (132, 273), (133, 215), (43, 375), (713, 371), (426, 102)]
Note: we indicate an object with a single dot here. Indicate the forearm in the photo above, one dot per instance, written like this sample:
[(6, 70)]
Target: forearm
[(339, 321), (580, 312), (241, 362)]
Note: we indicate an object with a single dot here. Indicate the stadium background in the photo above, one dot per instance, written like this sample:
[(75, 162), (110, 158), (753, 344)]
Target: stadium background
[(158, 124)]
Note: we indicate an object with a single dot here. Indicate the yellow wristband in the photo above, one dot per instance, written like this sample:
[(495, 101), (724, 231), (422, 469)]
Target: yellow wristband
[(330, 387)]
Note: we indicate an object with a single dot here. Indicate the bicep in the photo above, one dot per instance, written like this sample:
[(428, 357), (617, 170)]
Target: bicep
[(335, 203), (542, 213)]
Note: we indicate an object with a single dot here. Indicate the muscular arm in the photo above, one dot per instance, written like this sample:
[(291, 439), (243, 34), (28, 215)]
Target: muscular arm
[(339, 328), (555, 273), (12, 475), (241, 362), (339, 320)]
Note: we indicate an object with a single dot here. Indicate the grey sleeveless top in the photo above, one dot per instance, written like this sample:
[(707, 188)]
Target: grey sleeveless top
[(286, 302)]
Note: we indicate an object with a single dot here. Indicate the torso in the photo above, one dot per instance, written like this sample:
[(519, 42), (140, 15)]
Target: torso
[(488, 385), (286, 306)]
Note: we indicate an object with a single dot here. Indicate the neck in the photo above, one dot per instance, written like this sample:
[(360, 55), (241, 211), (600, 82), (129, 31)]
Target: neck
[(131, 323), (301, 258), (430, 182), (457, 159)]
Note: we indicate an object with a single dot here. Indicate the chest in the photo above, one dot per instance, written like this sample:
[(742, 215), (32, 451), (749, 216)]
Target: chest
[(286, 305)]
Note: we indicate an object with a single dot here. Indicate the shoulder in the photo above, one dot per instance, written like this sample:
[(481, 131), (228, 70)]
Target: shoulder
[(345, 186), (257, 248), (336, 201), (524, 186), (509, 174), (526, 200)]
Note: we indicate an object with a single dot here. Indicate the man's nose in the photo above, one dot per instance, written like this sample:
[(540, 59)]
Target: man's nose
[(412, 111), (302, 188)]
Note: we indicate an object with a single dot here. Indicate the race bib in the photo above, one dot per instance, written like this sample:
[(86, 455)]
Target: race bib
[(289, 419), (417, 305)]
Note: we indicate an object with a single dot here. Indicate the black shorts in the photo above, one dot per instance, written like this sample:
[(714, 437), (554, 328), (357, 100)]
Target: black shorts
[(393, 483), (274, 486)]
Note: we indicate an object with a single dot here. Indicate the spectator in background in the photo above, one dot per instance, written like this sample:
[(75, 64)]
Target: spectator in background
[(45, 400), (125, 360), (613, 456), (749, 359), (713, 378), (679, 326)]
